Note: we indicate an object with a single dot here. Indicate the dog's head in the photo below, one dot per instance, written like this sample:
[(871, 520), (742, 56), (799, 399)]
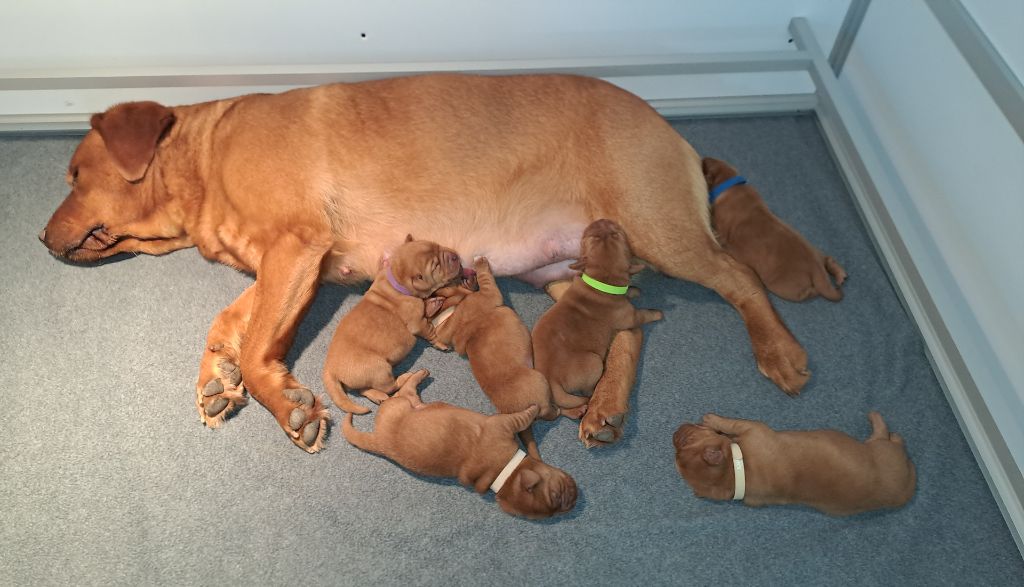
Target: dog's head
[(605, 253), (424, 266), (536, 490), (717, 171), (704, 459), (114, 205)]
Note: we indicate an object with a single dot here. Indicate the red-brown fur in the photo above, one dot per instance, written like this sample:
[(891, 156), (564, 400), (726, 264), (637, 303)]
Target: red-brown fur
[(825, 469), (442, 440), (788, 265), (316, 184)]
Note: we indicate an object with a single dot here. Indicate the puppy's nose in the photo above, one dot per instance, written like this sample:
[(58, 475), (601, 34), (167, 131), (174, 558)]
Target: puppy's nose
[(42, 235)]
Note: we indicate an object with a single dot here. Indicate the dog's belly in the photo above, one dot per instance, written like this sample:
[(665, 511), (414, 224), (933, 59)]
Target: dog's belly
[(536, 249)]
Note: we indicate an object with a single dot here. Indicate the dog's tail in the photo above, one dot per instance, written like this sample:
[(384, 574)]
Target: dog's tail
[(822, 283), (357, 438), (530, 442), (341, 398)]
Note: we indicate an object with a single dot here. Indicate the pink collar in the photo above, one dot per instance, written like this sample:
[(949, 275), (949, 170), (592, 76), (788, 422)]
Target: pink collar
[(394, 283)]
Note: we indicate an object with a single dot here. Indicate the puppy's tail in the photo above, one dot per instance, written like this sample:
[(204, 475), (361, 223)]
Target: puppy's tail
[(822, 283), (529, 442), (358, 438), (341, 398)]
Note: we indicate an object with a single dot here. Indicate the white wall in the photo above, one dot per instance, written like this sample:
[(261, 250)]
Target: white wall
[(962, 164), (107, 36)]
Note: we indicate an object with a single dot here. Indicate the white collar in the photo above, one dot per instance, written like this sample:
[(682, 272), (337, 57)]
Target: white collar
[(444, 315), (507, 471), (741, 476)]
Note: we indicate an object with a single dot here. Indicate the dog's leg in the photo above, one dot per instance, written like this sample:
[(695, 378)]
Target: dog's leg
[(220, 391), (286, 283), (605, 420)]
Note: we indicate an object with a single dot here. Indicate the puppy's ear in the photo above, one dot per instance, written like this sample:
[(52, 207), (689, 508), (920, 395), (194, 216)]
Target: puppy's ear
[(579, 265), (707, 165), (528, 480), (408, 238), (713, 455), (131, 133)]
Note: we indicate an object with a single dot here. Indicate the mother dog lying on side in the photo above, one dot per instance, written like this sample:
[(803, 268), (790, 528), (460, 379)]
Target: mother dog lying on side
[(317, 184)]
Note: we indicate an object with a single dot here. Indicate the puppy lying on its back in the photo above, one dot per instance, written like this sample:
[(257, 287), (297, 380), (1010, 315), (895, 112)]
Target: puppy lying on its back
[(789, 266), (382, 328), (441, 440), (571, 339), (497, 343), (824, 469)]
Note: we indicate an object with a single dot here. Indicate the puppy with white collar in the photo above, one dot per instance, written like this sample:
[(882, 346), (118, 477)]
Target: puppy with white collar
[(830, 471), (442, 440)]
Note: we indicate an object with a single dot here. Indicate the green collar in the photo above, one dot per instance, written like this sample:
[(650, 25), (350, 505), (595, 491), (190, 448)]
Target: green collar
[(618, 290)]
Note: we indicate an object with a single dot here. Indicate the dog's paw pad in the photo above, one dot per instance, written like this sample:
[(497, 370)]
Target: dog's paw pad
[(213, 387), (230, 372), (215, 407), (604, 435), (615, 420), (296, 418), (300, 395), (310, 432), (600, 428)]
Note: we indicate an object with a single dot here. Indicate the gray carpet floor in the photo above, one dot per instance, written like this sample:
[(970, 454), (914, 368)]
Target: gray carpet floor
[(108, 477)]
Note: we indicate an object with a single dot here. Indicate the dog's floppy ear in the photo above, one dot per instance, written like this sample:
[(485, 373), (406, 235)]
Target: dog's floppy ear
[(579, 265), (131, 133), (713, 455), (528, 480)]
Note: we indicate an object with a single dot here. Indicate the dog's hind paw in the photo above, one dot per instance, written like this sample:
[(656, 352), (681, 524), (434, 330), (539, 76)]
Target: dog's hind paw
[(221, 395), (601, 428), (308, 421)]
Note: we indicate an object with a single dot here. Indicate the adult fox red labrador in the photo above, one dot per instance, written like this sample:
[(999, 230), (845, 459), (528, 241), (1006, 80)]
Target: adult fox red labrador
[(317, 184)]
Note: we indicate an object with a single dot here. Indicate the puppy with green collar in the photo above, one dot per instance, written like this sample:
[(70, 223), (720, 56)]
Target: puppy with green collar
[(571, 339)]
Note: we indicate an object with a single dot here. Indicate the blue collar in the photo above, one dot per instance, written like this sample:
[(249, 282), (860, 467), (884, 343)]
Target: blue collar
[(718, 189)]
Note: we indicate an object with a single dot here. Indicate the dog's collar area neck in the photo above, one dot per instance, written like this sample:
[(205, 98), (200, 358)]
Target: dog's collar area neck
[(507, 471), (394, 282), (443, 316), (731, 182), (741, 475), (617, 290)]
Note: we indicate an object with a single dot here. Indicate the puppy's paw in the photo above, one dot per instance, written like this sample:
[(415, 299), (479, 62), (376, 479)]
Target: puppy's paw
[(219, 392), (601, 427), (785, 363), (307, 420)]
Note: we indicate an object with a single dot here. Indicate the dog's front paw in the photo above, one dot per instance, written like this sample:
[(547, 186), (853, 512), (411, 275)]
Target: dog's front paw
[(307, 421), (219, 392)]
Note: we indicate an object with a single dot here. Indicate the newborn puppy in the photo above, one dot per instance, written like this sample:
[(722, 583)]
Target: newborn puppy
[(824, 469), (442, 440), (382, 328), (497, 344), (789, 266), (571, 339)]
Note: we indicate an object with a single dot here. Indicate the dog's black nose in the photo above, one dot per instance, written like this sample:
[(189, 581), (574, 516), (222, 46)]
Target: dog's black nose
[(42, 235)]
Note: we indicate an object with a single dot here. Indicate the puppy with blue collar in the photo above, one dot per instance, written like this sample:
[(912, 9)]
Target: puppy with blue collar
[(788, 265)]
